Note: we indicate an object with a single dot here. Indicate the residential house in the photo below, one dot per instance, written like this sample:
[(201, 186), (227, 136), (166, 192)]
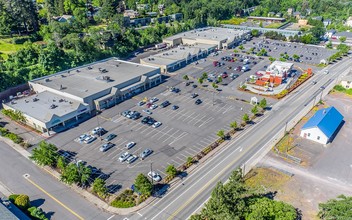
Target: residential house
[(131, 13), (323, 126), (290, 11), (143, 7), (63, 18), (176, 17), (297, 14), (346, 82), (327, 22), (349, 22)]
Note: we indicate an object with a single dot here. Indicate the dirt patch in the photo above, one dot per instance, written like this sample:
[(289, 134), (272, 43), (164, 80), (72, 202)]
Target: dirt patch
[(267, 179)]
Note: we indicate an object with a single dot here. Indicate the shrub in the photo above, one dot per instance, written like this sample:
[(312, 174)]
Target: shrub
[(3, 131), (13, 197), (125, 200), (14, 137), (37, 213), (171, 170), (22, 202)]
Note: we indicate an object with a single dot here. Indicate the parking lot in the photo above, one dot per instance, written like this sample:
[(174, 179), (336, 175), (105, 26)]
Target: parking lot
[(309, 54), (184, 132)]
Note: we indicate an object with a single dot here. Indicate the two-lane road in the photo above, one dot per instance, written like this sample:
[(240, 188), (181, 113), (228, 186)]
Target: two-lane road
[(54, 197), (186, 198)]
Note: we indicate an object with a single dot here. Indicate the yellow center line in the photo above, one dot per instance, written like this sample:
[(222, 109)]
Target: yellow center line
[(56, 200)]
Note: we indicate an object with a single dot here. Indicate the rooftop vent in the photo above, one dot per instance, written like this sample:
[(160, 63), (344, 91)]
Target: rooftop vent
[(53, 106), (89, 67), (68, 71), (78, 71), (61, 100), (117, 65), (47, 80), (106, 78), (63, 76), (35, 99)]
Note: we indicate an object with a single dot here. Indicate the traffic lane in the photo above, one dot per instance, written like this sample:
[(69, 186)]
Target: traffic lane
[(16, 166), (282, 122)]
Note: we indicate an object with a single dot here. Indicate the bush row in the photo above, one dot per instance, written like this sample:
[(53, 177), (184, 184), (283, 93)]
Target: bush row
[(125, 200), (23, 203), (14, 137)]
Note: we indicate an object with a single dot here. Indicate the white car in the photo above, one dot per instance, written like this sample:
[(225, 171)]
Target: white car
[(156, 124), (147, 111), (98, 130), (212, 75), (90, 139), (130, 145), (153, 106), (155, 176), (106, 147), (124, 156), (140, 103), (82, 137), (131, 158), (154, 99)]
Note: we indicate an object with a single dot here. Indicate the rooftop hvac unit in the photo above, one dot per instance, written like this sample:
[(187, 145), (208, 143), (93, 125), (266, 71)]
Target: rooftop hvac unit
[(89, 67), (117, 65), (78, 71), (35, 99), (47, 80)]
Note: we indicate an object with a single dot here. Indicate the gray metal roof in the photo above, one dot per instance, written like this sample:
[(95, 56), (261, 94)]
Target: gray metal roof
[(210, 33), (177, 54), (90, 79), (39, 105)]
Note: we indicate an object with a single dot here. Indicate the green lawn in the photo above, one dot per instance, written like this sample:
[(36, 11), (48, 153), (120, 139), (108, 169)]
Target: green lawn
[(274, 25), (7, 48), (233, 21)]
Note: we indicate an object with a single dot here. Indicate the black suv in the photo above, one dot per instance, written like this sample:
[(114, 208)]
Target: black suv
[(145, 120), (198, 101), (164, 104)]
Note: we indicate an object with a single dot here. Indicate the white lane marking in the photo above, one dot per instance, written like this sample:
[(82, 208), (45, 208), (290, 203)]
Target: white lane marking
[(110, 217)]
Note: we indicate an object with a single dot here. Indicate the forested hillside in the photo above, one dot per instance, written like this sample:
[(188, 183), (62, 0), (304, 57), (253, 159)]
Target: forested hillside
[(52, 46)]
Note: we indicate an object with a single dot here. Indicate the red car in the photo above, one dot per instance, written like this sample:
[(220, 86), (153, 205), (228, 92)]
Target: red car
[(224, 75), (149, 104)]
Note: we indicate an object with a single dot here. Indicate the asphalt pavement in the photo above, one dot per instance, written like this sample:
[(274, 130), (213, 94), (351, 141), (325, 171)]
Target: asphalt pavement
[(21, 176), (187, 198)]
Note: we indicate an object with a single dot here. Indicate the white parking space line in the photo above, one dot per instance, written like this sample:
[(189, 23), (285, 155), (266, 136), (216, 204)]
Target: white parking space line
[(179, 137), (206, 122), (160, 130), (159, 171), (187, 117), (228, 109)]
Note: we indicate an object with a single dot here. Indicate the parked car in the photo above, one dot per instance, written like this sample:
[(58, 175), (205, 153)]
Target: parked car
[(136, 115), (140, 103), (174, 107), (314, 82), (154, 99), (155, 176), (110, 137), (193, 95), (156, 124), (129, 145), (188, 83), (145, 120), (83, 137), (151, 121), (224, 75), (131, 158), (198, 101), (124, 156), (106, 146), (145, 153), (125, 113), (147, 111), (153, 106), (164, 104), (194, 86), (98, 131), (212, 75), (90, 139)]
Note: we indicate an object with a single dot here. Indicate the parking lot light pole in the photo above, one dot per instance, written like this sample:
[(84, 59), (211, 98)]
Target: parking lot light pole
[(151, 170)]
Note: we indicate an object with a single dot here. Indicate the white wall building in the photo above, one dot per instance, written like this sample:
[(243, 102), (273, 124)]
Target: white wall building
[(322, 127)]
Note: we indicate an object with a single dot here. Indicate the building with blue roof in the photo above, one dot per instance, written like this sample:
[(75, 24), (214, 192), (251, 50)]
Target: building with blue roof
[(322, 127)]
